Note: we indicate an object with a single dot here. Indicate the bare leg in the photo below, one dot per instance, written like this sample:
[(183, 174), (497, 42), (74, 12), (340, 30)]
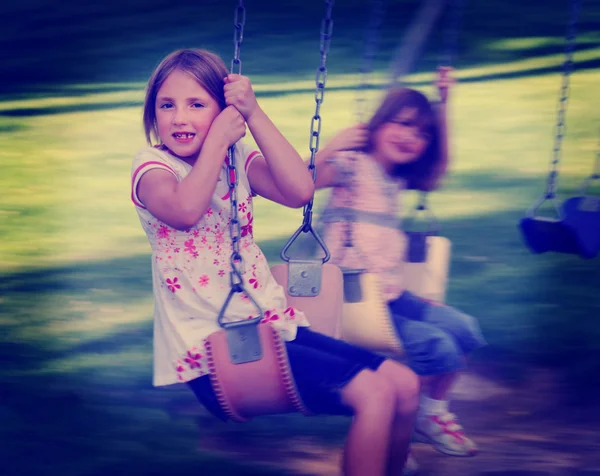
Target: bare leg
[(406, 385), (374, 403), (440, 385)]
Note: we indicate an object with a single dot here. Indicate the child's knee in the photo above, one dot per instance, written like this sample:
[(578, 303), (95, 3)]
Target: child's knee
[(467, 330), (447, 356), (406, 383), (370, 392)]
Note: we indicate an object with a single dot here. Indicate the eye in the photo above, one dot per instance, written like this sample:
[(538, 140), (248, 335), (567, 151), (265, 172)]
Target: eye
[(403, 122), (197, 105), (166, 105)]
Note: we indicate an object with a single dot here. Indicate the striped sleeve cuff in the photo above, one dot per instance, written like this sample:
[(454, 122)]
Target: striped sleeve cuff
[(139, 172)]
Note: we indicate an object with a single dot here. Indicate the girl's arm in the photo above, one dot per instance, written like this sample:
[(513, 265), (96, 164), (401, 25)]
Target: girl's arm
[(443, 83), (280, 174), (181, 204), (352, 138)]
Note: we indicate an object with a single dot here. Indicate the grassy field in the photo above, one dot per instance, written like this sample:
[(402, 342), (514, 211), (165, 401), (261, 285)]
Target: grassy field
[(75, 290)]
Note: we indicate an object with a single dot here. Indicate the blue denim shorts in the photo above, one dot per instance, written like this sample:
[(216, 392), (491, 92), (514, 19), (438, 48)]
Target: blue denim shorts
[(321, 366), (435, 337)]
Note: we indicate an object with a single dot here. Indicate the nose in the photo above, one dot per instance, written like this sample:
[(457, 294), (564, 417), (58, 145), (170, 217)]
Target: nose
[(179, 116)]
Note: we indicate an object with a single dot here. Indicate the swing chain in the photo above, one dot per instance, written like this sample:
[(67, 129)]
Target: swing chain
[(315, 123), (236, 281), (560, 128), (372, 36), (239, 20)]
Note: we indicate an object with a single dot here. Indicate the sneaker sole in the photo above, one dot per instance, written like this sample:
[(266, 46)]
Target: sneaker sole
[(422, 438)]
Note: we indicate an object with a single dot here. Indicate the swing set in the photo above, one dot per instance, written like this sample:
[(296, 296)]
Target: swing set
[(575, 228), (332, 300), (249, 368)]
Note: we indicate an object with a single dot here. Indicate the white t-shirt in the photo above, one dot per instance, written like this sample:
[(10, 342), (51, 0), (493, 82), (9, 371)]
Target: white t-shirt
[(190, 271)]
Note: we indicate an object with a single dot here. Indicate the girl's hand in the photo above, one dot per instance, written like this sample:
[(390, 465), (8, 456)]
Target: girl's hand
[(239, 93), (230, 125), (444, 81), (352, 138)]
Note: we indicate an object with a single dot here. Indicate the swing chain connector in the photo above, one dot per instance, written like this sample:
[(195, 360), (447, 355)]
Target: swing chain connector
[(242, 336), (315, 132)]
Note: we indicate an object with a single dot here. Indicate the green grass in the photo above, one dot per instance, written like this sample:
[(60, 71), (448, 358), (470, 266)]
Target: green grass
[(75, 290)]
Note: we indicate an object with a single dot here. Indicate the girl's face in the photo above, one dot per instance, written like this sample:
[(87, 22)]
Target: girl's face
[(400, 140), (184, 114)]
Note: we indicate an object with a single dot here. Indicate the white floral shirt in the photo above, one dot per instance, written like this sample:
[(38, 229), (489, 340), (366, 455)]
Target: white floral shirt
[(190, 271)]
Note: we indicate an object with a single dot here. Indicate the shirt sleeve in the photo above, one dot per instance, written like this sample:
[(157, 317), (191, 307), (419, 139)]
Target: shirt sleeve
[(145, 160), (247, 155)]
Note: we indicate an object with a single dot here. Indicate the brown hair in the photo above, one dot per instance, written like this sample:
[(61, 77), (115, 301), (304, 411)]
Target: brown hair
[(424, 173), (205, 67)]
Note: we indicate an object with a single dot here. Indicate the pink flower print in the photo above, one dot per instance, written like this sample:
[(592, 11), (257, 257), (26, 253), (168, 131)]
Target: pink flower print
[(193, 358), (221, 272), (220, 236), (242, 207), (216, 262), (163, 232), (203, 280), (254, 282), (189, 247), (176, 250), (247, 228), (173, 285), (290, 311), (209, 212), (203, 240), (196, 233), (270, 316), (179, 366)]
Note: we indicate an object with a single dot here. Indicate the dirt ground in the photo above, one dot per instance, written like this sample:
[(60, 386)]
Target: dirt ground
[(521, 431)]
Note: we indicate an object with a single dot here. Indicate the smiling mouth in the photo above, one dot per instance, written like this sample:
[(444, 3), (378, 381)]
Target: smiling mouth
[(404, 148), (183, 135)]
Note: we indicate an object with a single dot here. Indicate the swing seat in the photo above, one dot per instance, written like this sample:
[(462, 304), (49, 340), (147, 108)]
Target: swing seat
[(543, 234), (582, 216), (323, 310), (428, 277), (262, 387), (366, 320)]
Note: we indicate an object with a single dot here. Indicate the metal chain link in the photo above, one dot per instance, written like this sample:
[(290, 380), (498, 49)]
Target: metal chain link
[(239, 20), (315, 123), (235, 231), (372, 36), (560, 128)]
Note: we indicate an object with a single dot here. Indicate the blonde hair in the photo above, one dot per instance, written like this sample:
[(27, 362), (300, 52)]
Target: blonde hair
[(205, 67)]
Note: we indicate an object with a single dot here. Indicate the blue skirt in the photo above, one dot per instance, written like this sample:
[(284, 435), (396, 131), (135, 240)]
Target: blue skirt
[(321, 366), (435, 337)]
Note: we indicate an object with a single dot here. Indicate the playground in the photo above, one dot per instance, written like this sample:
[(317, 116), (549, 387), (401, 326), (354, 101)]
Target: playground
[(76, 395)]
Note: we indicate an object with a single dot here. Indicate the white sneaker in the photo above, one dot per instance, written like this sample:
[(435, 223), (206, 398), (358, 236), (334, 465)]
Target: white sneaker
[(444, 434), (411, 468)]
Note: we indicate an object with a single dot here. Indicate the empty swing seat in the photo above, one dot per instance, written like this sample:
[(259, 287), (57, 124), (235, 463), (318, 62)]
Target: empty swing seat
[(543, 234), (582, 217)]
